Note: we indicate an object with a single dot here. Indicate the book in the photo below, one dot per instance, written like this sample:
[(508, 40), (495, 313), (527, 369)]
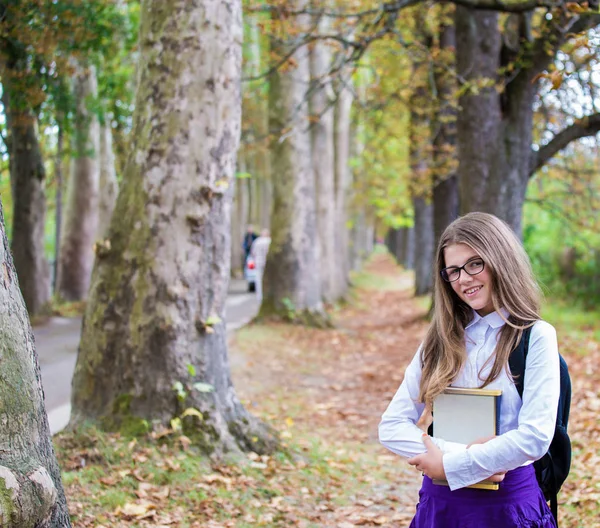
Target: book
[(465, 415)]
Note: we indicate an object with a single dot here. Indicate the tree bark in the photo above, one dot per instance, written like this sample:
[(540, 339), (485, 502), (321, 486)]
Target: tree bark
[(420, 144), (108, 184), (29, 201), (493, 142), (445, 182), (423, 234), (292, 282), (343, 180), (323, 158), (153, 340), (58, 174), (33, 496), (409, 248), (81, 216)]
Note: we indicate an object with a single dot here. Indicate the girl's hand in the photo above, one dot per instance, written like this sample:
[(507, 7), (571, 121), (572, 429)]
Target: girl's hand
[(430, 463)]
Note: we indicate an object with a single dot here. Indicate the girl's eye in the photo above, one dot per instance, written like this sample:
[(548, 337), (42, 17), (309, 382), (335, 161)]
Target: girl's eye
[(474, 264), (453, 274)]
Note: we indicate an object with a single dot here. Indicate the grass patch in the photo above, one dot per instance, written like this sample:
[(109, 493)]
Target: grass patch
[(572, 320), (158, 482)]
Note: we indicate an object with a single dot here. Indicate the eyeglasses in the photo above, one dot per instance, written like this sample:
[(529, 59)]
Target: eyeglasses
[(472, 267)]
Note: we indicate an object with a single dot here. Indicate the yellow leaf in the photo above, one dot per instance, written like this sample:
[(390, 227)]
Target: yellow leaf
[(190, 411)]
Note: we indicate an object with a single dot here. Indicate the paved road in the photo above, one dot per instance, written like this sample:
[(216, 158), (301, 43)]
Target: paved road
[(58, 339)]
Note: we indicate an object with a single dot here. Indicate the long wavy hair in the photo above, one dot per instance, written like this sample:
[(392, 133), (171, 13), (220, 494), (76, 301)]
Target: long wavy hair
[(514, 288)]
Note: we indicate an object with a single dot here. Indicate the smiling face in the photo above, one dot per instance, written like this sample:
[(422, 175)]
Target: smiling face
[(474, 290)]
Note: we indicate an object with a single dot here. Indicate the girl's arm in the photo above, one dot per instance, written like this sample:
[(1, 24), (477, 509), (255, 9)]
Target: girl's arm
[(537, 419), (398, 429)]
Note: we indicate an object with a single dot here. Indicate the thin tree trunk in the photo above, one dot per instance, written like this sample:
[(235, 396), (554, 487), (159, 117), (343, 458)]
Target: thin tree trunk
[(343, 180), (445, 186), (239, 217), (153, 340), (292, 283), (29, 206), (58, 170), (423, 232), (108, 185), (421, 198), (323, 147), (81, 216), (409, 248), (34, 495)]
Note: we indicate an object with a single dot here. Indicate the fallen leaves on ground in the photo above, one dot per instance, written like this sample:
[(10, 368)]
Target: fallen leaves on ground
[(324, 390)]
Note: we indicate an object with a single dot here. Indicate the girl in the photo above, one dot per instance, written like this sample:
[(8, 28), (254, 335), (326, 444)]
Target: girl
[(485, 295)]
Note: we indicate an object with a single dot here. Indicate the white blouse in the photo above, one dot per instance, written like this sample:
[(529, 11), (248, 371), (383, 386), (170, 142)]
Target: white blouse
[(526, 426)]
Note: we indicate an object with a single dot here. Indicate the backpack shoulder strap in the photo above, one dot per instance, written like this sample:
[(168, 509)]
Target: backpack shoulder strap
[(518, 359)]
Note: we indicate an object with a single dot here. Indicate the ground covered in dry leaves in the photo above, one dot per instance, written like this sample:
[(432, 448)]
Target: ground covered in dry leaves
[(324, 391)]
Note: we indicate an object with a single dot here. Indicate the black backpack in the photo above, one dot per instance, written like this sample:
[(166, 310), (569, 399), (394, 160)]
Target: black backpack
[(552, 469)]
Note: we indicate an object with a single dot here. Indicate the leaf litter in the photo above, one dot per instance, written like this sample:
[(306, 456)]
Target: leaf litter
[(324, 391)]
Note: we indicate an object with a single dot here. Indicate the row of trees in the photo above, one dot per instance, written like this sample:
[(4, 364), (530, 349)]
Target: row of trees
[(153, 342)]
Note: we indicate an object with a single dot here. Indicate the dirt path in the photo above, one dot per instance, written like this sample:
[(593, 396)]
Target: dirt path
[(335, 384)]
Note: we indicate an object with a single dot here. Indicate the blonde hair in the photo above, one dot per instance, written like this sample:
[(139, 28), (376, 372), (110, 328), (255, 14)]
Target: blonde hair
[(514, 289)]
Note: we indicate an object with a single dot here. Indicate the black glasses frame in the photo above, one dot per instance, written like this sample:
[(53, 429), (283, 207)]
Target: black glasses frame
[(444, 272)]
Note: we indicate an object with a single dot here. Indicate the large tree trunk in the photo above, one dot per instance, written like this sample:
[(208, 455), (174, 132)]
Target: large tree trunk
[(81, 215), (153, 340), (494, 138), (108, 184), (323, 146), (29, 202), (33, 495), (292, 283)]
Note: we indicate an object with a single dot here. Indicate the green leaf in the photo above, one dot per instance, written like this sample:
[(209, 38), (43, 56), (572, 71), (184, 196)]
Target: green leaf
[(191, 370), (203, 387), (176, 424), (213, 320)]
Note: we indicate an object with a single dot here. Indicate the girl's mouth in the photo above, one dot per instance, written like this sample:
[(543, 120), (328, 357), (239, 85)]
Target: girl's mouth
[(472, 291)]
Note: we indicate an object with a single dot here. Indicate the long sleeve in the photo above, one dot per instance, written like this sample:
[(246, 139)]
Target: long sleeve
[(398, 430), (536, 419)]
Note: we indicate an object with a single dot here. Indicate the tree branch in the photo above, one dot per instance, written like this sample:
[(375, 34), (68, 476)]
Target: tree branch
[(587, 126), (507, 6)]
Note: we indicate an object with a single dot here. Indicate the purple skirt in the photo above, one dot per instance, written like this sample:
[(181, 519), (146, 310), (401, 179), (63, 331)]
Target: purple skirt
[(518, 503)]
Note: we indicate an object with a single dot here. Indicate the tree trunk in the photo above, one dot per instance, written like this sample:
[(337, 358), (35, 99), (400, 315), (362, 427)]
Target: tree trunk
[(399, 255), (108, 186), (494, 131), (29, 204), (81, 215), (445, 186), (343, 180), (153, 340), (239, 218), (292, 282), (33, 494), (58, 173), (423, 233), (322, 111), (409, 248)]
